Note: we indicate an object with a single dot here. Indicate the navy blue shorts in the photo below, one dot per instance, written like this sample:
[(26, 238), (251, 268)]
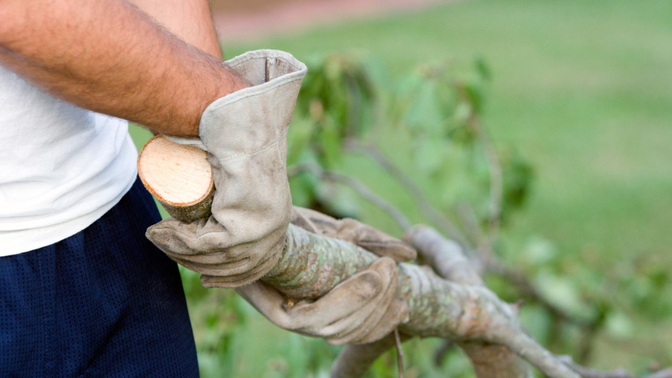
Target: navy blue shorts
[(104, 303)]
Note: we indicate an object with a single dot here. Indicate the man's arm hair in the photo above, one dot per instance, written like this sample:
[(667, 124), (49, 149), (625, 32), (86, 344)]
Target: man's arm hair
[(110, 57)]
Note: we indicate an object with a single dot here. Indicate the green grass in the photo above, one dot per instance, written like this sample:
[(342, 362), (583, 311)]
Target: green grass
[(583, 88)]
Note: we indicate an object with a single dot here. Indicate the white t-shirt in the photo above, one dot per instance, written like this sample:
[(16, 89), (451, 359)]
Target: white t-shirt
[(61, 167)]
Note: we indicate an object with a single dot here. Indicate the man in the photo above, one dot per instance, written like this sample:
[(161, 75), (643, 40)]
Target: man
[(82, 291)]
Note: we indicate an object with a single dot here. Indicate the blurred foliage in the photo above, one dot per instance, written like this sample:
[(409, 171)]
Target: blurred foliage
[(427, 122), (346, 98)]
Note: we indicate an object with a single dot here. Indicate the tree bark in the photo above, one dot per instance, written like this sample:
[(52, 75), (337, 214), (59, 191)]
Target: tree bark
[(311, 265)]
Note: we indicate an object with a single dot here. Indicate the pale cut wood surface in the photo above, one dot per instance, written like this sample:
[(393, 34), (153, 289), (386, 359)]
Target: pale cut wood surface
[(179, 176)]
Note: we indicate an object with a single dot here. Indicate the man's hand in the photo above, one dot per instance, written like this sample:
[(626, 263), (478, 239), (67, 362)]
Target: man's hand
[(109, 57), (245, 136), (362, 309)]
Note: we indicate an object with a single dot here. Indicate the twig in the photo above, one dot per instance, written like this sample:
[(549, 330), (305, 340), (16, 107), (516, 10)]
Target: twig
[(429, 211), (467, 217), (356, 185), (526, 287), (495, 169), (490, 262), (400, 353), (355, 360)]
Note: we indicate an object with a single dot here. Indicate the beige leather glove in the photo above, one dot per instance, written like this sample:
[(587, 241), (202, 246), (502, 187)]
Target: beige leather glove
[(359, 310), (244, 134)]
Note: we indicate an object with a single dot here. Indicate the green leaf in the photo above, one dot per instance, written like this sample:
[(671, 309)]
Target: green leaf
[(330, 142), (619, 325), (562, 291), (474, 88), (537, 321), (424, 112), (300, 133), (539, 251)]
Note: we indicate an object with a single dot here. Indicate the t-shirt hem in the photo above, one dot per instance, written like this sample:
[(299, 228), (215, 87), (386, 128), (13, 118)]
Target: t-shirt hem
[(17, 242)]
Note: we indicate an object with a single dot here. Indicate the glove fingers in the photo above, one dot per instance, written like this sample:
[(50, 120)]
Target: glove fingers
[(239, 276), (348, 297), (267, 300), (396, 314), (197, 238), (346, 327), (370, 316), (375, 240), (211, 260), (303, 218), (353, 326), (223, 269), (396, 250), (352, 295), (342, 331), (314, 318), (169, 234), (199, 246)]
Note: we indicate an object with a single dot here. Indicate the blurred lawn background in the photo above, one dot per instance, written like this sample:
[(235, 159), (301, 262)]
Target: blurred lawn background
[(582, 88)]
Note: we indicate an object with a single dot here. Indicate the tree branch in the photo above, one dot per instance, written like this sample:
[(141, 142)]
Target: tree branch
[(449, 261), (488, 260), (356, 185), (311, 265), (400, 353)]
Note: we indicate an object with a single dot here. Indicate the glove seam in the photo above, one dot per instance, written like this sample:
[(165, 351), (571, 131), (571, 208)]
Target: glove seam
[(260, 150), (265, 53)]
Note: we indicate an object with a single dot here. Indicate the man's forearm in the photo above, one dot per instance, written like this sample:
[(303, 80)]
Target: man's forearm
[(109, 57)]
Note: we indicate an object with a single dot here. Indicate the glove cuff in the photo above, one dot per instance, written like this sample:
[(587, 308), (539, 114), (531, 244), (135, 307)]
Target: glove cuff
[(248, 120), (193, 141)]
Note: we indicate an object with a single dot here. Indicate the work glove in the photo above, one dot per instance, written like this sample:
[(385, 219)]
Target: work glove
[(361, 309), (244, 134)]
